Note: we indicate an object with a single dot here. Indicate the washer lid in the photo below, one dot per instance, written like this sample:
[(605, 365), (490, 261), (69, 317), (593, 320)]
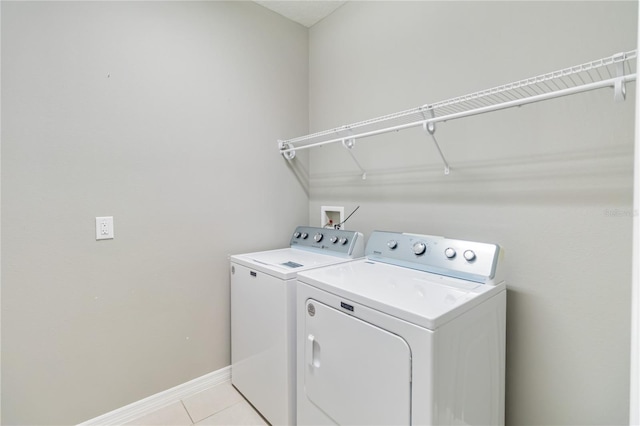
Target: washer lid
[(286, 263), (422, 298)]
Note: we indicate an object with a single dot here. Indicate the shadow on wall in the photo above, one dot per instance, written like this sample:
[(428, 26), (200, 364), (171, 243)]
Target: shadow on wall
[(570, 176), (557, 151), (300, 169)]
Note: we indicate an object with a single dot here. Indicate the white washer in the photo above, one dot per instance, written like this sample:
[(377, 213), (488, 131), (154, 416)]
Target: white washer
[(414, 334), (263, 315)]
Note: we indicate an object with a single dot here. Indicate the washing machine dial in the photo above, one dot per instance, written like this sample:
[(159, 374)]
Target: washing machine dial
[(450, 253), (469, 255), (333, 239), (318, 237), (392, 244), (343, 240), (304, 235), (296, 235), (419, 248)]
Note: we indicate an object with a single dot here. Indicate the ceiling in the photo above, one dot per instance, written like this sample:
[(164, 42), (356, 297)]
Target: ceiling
[(305, 12)]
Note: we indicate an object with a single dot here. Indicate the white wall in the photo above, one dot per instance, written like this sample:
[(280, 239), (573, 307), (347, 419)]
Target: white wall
[(164, 115), (550, 182)]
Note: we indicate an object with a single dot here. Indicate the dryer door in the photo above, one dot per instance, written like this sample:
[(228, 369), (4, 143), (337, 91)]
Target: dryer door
[(355, 372)]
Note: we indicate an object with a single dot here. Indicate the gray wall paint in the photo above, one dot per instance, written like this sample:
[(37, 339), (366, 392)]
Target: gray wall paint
[(164, 115), (180, 137), (550, 182)]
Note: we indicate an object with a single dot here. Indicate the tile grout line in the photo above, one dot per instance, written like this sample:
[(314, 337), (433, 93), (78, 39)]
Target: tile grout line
[(187, 410), (223, 410)]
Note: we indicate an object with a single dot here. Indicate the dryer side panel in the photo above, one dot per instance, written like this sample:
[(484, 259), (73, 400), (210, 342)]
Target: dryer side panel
[(470, 366)]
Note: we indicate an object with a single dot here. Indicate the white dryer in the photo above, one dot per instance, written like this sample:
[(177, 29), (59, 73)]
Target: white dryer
[(263, 315), (414, 334)]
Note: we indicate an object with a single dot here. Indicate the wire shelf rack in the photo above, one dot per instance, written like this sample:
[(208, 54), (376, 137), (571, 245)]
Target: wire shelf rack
[(612, 72)]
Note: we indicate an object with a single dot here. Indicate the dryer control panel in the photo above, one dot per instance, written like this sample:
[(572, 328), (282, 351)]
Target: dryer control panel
[(467, 260), (336, 242)]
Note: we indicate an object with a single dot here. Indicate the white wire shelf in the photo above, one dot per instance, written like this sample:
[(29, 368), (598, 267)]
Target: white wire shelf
[(613, 72)]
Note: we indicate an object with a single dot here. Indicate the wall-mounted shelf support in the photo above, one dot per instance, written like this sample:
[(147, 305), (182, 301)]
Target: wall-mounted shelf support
[(287, 150), (430, 127), (613, 72), (349, 144)]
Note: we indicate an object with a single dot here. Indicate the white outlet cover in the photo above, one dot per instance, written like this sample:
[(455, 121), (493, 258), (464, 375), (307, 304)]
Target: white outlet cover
[(104, 228)]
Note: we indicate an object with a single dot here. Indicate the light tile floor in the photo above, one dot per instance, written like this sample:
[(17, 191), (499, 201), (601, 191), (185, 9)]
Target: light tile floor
[(219, 405)]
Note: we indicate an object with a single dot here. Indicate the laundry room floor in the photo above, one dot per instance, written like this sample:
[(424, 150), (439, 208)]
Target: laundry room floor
[(219, 405)]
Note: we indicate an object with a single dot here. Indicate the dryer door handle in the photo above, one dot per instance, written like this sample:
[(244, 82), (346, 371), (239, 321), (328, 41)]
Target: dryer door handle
[(309, 355)]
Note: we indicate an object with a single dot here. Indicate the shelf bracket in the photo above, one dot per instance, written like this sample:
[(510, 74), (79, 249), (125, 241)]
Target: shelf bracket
[(287, 150), (349, 144), (620, 88), (430, 127)]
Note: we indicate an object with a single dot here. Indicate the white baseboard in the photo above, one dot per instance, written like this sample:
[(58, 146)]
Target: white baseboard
[(152, 403)]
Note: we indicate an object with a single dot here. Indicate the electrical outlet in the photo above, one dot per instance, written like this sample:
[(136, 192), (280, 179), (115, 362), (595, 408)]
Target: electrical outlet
[(104, 228), (332, 217)]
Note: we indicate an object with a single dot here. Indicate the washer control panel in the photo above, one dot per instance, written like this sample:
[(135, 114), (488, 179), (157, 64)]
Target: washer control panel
[(335, 241), (444, 256)]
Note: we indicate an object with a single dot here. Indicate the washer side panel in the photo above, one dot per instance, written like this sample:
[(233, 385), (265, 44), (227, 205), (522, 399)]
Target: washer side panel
[(259, 341)]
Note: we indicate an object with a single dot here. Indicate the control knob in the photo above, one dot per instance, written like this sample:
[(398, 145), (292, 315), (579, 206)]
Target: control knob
[(333, 239), (304, 235), (450, 253), (296, 235), (318, 237), (392, 244), (419, 248), (343, 240), (469, 255)]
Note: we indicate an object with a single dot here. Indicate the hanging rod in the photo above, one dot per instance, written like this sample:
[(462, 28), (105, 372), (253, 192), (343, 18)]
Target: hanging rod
[(613, 71)]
